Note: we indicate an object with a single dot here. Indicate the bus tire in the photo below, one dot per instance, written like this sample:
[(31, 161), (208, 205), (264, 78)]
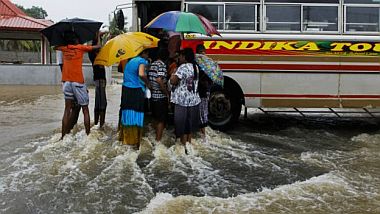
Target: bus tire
[(225, 106)]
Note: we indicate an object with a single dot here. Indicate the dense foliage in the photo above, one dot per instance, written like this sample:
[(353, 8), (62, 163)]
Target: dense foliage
[(34, 11)]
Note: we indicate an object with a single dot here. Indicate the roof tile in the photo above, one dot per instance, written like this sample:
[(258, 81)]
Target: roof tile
[(7, 8), (11, 17)]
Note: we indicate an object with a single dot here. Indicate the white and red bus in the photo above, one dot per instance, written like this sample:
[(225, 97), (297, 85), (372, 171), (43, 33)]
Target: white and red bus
[(286, 53)]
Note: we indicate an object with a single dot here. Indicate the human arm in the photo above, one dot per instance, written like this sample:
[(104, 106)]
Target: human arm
[(161, 75), (174, 79), (162, 86), (97, 46), (177, 76), (143, 76), (121, 66)]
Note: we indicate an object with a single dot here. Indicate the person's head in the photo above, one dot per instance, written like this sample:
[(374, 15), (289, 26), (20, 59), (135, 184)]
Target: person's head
[(144, 54), (71, 38), (163, 54), (173, 59), (201, 49), (186, 56)]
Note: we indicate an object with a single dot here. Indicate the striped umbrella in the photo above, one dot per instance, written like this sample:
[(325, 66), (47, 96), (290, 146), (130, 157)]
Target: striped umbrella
[(183, 22)]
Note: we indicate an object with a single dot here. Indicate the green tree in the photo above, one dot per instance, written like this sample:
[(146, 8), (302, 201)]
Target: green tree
[(113, 28), (34, 11), (20, 45), (112, 31)]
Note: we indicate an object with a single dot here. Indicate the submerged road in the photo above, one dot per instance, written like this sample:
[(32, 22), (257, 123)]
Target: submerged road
[(277, 164)]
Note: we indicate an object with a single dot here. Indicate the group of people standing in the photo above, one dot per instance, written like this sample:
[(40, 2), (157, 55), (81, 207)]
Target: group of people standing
[(186, 88), (175, 82)]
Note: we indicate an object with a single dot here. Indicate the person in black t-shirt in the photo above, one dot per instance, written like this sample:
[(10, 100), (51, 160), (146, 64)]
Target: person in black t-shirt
[(100, 87)]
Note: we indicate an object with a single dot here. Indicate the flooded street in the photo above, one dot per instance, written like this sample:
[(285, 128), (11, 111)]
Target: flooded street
[(276, 164)]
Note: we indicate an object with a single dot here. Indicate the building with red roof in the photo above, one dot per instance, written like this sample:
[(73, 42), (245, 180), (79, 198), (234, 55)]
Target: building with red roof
[(16, 25)]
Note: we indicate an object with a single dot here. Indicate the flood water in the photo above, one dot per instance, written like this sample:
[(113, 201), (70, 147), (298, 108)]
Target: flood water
[(266, 164)]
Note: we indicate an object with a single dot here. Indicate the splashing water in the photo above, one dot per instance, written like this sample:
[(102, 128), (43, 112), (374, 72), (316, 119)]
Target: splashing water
[(292, 170)]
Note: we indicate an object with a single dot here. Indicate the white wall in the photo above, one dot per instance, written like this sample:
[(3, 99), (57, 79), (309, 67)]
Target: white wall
[(41, 74)]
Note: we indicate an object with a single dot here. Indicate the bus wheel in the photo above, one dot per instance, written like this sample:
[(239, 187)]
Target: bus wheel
[(224, 108)]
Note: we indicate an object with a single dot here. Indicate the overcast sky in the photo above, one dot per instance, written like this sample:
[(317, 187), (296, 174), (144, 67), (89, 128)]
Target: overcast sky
[(57, 10)]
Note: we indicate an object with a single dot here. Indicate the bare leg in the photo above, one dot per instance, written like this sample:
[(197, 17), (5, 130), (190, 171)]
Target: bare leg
[(119, 122), (189, 138), (159, 130), (183, 139), (140, 134), (86, 115), (74, 114), (66, 117), (203, 131)]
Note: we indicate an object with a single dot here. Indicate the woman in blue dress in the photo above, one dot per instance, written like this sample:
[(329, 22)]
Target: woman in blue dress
[(132, 100)]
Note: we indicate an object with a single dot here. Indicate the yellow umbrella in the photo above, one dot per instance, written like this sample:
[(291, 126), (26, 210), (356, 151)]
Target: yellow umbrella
[(125, 46)]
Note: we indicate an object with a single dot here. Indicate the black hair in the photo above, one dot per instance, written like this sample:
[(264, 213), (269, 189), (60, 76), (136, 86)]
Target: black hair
[(173, 59), (190, 57), (200, 48), (163, 54), (70, 37), (144, 51)]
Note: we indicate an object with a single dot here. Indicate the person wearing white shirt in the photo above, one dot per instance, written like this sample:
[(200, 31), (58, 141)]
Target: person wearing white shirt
[(59, 57)]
